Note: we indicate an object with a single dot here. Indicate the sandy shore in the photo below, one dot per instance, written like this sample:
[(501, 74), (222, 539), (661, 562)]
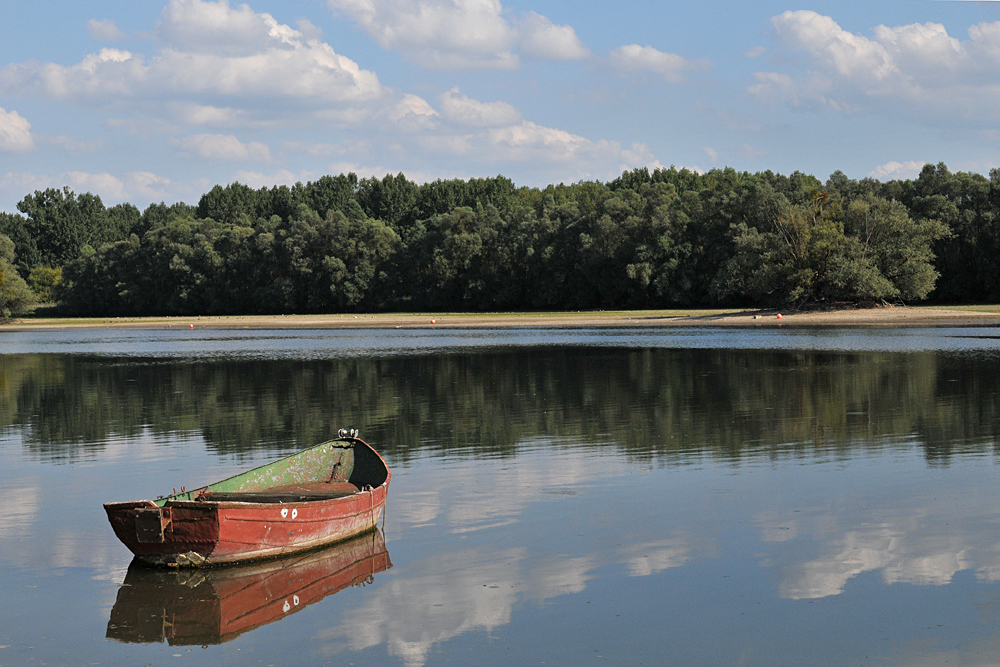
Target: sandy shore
[(900, 316)]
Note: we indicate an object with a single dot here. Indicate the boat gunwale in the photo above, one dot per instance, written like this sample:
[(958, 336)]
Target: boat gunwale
[(193, 502), (236, 504)]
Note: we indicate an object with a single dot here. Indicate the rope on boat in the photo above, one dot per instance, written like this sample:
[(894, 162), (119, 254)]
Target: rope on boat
[(371, 505), (371, 576)]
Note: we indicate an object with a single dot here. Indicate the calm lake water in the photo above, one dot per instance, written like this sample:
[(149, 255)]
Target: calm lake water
[(695, 497)]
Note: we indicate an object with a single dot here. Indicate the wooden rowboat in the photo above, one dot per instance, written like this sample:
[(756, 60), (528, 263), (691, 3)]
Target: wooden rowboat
[(322, 495), (187, 607)]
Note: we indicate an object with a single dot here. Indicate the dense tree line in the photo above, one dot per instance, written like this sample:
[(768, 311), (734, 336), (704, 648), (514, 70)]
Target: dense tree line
[(647, 239)]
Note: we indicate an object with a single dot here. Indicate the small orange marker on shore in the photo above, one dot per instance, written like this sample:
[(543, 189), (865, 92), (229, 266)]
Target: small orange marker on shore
[(778, 316), (433, 321), (191, 325)]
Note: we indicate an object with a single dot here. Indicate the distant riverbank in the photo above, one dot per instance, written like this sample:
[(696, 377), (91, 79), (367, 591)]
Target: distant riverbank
[(900, 316)]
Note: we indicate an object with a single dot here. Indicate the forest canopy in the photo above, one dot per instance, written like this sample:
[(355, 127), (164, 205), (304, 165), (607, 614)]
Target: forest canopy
[(647, 239)]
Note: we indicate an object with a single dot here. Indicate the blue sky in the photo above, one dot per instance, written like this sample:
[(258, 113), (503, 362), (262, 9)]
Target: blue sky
[(151, 101)]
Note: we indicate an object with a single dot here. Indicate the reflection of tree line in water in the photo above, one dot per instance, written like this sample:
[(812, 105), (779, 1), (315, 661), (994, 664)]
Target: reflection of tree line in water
[(647, 402)]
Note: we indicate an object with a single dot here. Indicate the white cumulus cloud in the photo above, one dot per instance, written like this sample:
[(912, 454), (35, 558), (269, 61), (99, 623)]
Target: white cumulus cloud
[(413, 112), (103, 184), (136, 186), (438, 33), (15, 132), (633, 58), (20, 182), (552, 154), (541, 39), (464, 110), (207, 50), (529, 141), (309, 30), (460, 34), (916, 70), (104, 30), (197, 26), (146, 185), (193, 113), (893, 169), (639, 155), (225, 147)]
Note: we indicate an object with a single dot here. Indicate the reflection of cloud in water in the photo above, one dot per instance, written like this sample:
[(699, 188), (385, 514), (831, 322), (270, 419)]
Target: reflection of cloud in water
[(649, 558), (76, 548), (493, 496), (557, 576), (417, 508), (18, 509), (773, 528), (474, 495), (439, 598), (144, 447), (58, 547), (42, 532), (925, 546), (975, 653), (990, 573)]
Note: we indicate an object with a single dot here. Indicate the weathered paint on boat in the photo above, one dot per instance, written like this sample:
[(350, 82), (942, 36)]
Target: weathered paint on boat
[(322, 495), (198, 607)]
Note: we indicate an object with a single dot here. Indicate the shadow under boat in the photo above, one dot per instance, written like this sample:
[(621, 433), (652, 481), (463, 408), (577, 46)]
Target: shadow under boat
[(211, 606)]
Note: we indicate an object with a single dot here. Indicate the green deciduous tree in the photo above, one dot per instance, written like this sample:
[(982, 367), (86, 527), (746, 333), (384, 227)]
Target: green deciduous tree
[(869, 252), (391, 200), (15, 295), (62, 222), (44, 282), (894, 244), (15, 227)]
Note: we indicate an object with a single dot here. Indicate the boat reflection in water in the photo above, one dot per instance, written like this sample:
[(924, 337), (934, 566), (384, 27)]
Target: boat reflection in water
[(211, 606)]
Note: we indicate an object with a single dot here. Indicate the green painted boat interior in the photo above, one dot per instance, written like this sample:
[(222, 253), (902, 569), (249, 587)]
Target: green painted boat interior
[(333, 461)]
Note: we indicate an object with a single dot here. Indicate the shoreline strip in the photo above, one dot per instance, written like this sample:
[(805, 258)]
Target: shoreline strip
[(898, 316)]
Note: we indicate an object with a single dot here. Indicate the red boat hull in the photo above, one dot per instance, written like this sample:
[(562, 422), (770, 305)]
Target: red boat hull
[(207, 532)]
